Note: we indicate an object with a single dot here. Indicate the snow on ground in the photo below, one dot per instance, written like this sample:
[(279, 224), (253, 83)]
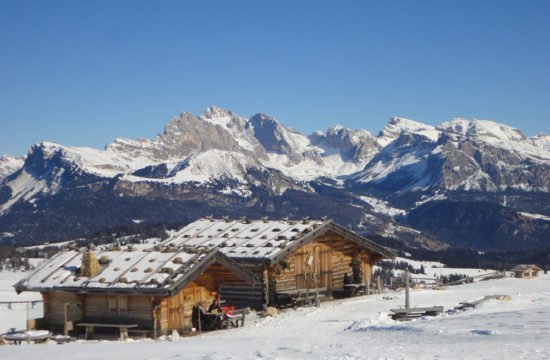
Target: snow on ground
[(143, 244), (535, 216), (357, 328), (381, 206), (435, 269), (61, 244)]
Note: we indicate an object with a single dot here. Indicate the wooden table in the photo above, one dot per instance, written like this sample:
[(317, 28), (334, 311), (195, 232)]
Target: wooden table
[(123, 328)]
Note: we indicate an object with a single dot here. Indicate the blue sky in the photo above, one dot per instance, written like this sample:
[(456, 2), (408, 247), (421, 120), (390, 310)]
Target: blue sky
[(86, 72)]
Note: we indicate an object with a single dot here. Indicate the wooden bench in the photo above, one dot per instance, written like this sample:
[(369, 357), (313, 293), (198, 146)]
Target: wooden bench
[(123, 329), (300, 296), (411, 313)]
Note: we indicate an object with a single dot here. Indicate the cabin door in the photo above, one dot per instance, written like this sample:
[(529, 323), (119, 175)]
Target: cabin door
[(176, 312), (180, 306), (313, 267)]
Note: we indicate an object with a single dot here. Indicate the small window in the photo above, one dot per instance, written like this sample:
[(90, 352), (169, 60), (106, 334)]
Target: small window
[(118, 304), (112, 303)]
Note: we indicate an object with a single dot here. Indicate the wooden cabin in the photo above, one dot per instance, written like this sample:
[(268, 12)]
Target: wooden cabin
[(155, 290), (526, 271), (246, 263), (287, 256)]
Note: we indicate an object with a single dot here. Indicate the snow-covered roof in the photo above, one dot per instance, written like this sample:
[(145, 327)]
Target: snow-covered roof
[(259, 240), (152, 272)]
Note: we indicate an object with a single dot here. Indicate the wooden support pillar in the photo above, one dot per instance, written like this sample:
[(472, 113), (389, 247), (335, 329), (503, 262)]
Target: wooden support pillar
[(407, 302), (65, 323), (266, 287), (367, 290), (155, 307)]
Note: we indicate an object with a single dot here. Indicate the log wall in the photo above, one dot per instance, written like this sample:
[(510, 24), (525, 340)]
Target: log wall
[(134, 309), (329, 257), (175, 312), (97, 308), (54, 308)]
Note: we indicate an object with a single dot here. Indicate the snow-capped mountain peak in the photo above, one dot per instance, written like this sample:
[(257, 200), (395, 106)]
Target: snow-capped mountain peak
[(491, 133), (214, 112), (222, 146), (9, 164), (482, 129), (397, 125)]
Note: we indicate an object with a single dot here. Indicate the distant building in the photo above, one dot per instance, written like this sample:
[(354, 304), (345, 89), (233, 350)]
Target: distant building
[(526, 271)]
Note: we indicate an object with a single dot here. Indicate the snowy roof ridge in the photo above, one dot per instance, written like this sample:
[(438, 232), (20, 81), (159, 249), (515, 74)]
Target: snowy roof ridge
[(260, 240)]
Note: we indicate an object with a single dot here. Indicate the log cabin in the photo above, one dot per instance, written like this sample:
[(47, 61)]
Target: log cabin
[(245, 263), (154, 291), (288, 257), (526, 271)]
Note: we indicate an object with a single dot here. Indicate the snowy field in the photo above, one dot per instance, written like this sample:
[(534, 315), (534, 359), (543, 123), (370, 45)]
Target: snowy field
[(435, 268), (352, 329)]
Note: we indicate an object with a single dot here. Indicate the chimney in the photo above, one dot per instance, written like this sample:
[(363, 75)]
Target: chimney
[(90, 265)]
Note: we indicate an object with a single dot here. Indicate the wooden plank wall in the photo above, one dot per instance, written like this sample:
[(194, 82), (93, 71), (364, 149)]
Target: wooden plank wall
[(175, 313), (95, 307), (333, 255), (54, 308), (136, 309), (242, 296)]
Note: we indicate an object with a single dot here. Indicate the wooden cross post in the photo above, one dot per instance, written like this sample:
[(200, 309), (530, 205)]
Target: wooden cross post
[(199, 316), (407, 303), (65, 323)]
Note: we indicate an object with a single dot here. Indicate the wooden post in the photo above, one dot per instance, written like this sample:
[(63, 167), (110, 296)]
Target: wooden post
[(199, 316), (317, 301), (28, 316), (378, 285), (155, 307), (367, 290), (65, 327), (266, 288), (407, 304)]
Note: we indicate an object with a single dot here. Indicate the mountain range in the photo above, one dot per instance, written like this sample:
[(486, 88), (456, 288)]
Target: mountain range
[(463, 183)]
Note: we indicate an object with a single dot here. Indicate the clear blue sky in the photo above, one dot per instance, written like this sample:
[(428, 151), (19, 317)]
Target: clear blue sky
[(86, 72)]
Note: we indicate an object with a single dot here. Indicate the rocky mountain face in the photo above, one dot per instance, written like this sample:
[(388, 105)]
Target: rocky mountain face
[(457, 155), (392, 184)]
